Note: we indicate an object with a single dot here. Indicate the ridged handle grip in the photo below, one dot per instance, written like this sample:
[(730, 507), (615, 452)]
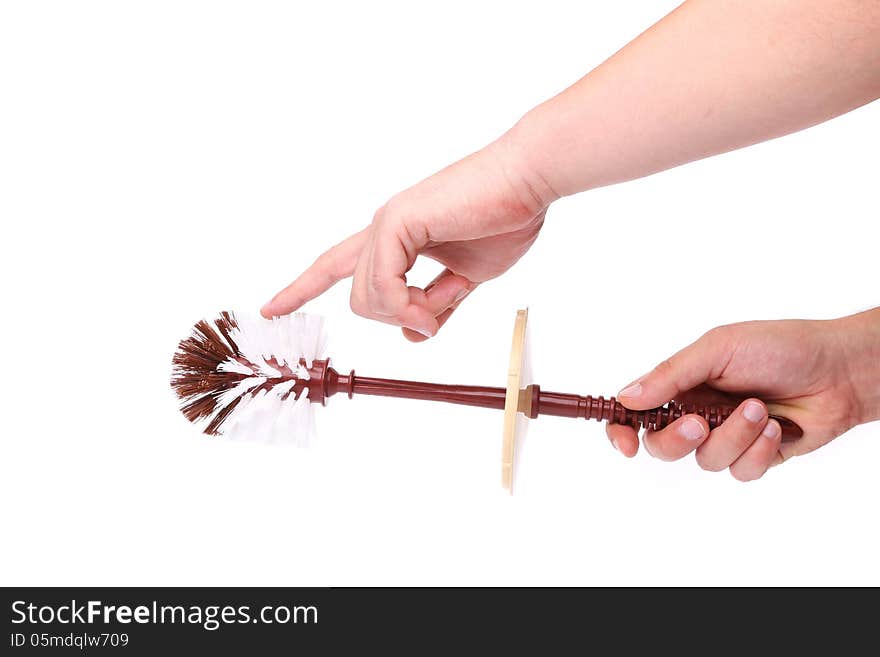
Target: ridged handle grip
[(537, 402), (658, 418)]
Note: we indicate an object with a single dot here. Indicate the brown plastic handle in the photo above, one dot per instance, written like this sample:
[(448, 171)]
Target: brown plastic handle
[(326, 381), (714, 416), (612, 411)]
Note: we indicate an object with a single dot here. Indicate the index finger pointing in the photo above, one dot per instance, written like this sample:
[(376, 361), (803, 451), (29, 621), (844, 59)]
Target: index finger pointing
[(331, 267)]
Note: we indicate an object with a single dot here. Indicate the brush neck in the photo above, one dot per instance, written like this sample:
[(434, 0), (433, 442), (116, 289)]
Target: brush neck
[(484, 397), (326, 382)]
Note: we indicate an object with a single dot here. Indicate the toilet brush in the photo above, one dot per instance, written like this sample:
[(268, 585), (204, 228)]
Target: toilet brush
[(243, 376)]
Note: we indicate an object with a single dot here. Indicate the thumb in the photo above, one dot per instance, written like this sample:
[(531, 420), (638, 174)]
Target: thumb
[(697, 363)]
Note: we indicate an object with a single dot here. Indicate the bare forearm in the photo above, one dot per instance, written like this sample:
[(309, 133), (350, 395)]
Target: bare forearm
[(712, 76), (860, 337)]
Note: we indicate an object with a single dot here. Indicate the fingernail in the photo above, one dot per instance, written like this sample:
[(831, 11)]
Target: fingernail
[(424, 332), (771, 431), (691, 430), (616, 446), (461, 295), (753, 412), (632, 390)]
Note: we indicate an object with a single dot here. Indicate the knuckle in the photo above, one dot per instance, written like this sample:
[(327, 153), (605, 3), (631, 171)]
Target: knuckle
[(664, 368), (394, 209), (707, 463), (657, 450), (718, 333), (376, 282), (740, 475), (329, 262), (379, 214), (720, 336), (357, 306), (744, 436)]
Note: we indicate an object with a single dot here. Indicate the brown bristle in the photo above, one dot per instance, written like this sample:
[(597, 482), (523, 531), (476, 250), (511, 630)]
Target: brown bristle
[(218, 419), (199, 407), (195, 377), (191, 384), (188, 359), (208, 340), (225, 323)]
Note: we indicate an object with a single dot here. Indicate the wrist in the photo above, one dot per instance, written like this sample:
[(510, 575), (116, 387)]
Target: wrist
[(521, 150), (860, 337)]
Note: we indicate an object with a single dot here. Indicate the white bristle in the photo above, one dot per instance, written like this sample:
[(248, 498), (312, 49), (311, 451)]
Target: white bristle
[(286, 339), (283, 388), (246, 423), (228, 428), (269, 371), (230, 365), (226, 398), (294, 421), (303, 420)]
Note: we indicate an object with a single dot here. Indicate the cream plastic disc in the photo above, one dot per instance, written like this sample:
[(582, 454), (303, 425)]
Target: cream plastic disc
[(514, 423)]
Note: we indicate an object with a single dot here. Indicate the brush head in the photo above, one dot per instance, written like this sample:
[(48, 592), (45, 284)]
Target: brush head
[(243, 376)]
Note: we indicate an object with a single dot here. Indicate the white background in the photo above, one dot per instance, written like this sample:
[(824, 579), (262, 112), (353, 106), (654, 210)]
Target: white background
[(161, 161)]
